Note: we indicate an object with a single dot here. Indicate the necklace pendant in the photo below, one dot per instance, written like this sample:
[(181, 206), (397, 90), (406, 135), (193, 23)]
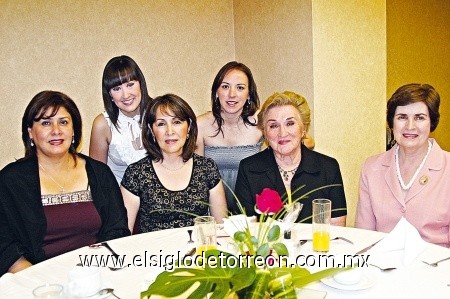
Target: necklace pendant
[(285, 173)]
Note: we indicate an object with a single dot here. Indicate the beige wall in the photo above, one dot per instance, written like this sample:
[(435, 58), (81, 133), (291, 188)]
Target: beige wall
[(349, 85), (276, 40), (64, 46), (418, 38), (332, 52)]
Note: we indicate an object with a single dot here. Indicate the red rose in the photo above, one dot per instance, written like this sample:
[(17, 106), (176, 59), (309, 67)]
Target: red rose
[(269, 201)]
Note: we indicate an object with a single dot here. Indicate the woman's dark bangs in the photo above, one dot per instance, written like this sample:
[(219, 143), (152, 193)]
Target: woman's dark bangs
[(41, 111), (120, 77), (175, 109)]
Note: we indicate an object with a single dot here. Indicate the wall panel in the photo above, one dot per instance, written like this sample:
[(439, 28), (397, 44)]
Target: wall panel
[(64, 46)]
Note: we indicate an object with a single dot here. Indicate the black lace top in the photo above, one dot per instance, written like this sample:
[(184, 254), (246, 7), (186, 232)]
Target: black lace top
[(141, 180)]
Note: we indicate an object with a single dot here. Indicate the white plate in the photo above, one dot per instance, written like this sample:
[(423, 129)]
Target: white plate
[(368, 280)]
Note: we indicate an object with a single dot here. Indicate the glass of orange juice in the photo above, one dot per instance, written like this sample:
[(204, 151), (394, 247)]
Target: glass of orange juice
[(321, 224), (205, 233)]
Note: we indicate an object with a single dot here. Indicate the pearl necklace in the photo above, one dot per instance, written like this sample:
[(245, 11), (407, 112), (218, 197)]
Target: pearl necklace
[(399, 175)]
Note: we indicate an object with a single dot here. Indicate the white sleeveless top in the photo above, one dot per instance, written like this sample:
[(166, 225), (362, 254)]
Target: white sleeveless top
[(126, 144)]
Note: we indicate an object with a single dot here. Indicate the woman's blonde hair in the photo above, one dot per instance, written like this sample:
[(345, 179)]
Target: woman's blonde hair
[(286, 98)]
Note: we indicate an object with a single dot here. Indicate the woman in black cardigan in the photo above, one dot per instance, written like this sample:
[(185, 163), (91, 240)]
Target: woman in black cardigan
[(287, 164), (54, 199)]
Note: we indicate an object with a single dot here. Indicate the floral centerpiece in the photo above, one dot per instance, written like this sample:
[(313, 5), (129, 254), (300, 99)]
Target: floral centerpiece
[(257, 276)]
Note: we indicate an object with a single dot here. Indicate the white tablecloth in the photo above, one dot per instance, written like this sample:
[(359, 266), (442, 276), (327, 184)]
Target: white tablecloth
[(415, 281)]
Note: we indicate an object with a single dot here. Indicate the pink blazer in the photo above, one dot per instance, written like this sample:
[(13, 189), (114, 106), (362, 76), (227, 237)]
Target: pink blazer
[(426, 206)]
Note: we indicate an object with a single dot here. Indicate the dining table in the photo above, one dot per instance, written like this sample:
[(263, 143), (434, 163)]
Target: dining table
[(145, 255)]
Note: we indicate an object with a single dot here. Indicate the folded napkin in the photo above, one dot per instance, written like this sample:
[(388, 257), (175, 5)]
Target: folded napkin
[(403, 236), (236, 223)]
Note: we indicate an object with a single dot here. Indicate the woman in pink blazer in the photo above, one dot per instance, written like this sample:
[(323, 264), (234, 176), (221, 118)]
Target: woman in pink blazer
[(411, 180)]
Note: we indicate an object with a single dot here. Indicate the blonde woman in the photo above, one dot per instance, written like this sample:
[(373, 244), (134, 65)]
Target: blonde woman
[(287, 163)]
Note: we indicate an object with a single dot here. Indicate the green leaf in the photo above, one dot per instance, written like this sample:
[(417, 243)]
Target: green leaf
[(280, 249), (301, 279), (282, 287), (240, 236), (258, 289), (197, 283), (274, 233), (263, 250)]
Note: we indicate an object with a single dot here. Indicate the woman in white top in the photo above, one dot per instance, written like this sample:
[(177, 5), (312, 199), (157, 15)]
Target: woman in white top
[(116, 133)]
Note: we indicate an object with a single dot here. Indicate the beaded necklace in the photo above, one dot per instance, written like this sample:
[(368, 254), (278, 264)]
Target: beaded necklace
[(285, 173)]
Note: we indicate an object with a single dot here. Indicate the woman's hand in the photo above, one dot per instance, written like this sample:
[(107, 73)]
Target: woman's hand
[(339, 221), (20, 264)]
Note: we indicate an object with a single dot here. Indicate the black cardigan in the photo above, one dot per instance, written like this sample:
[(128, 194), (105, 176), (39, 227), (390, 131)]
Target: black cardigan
[(315, 170), (22, 220)]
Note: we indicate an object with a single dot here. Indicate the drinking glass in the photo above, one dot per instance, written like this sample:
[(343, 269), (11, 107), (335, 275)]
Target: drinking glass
[(321, 224), (49, 291), (205, 233)]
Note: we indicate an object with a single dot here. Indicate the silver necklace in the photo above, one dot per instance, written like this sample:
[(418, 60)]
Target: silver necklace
[(61, 188), (285, 173), (184, 163), (399, 175)]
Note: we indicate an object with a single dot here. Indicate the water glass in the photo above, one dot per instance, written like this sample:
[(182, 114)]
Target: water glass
[(205, 233), (49, 291), (321, 224)]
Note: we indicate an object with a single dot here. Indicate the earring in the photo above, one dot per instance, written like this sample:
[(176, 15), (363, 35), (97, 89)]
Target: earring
[(31, 142), (248, 101), (187, 136), (73, 139), (304, 134), (154, 139)]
